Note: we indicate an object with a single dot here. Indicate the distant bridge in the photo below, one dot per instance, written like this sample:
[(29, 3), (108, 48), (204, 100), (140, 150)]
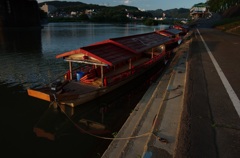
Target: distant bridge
[(19, 13)]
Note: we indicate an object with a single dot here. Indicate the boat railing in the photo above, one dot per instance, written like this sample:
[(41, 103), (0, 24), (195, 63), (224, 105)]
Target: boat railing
[(111, 80), (81, 68)]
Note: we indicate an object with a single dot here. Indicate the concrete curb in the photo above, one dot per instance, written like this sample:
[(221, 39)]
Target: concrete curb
[(152, 128), (163, 141)]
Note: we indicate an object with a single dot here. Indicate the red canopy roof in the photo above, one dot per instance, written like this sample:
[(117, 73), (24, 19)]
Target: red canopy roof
[(116, 50), (170, 31), (141, 42), (108, 53)]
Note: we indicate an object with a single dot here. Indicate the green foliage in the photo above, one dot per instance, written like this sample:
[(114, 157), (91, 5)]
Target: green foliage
[(228, 22), (150, 22), (111, 14), (221, 5), (114, 134), (171, 13), (170, 21), (83, 17), (62, 4), (68, 19)]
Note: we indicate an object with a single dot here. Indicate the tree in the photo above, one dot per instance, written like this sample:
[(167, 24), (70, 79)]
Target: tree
[(150, 22), (222, 5)]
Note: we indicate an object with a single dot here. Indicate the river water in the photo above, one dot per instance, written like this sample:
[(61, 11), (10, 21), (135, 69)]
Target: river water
[(27, 58)]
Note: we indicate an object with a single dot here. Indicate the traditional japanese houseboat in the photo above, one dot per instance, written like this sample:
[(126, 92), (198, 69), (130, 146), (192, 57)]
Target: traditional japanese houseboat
[(102, 67), (184, 28), (174, 34)]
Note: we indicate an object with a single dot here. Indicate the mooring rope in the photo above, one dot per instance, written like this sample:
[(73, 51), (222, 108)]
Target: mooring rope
[(115, 138), (97, 136)]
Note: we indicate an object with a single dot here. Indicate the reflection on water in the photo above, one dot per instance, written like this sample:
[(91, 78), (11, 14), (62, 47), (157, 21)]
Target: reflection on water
[(19, 50), (28, 56), (110, 111), (27, 59), (20, 40)]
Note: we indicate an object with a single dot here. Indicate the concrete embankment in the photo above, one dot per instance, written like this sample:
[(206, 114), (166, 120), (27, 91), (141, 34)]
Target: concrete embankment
[(152, 128)]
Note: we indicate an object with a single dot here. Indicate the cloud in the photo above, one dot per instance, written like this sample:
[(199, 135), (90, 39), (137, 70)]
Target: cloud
[(126, 2)]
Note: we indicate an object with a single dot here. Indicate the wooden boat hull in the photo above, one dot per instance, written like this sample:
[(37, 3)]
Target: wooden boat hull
[(83, 98), (87, 94)]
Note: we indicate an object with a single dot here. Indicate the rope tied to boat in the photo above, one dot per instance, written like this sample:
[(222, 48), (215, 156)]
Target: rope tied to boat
[(56, 105)]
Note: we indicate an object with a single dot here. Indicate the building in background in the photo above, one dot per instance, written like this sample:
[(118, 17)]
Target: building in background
[(48, 8), (200, 10)]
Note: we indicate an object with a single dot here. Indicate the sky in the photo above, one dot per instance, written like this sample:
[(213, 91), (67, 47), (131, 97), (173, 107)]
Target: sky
[(141, 4)]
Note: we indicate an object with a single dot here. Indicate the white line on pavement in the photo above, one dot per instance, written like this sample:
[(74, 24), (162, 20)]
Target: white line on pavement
[(228, 87)]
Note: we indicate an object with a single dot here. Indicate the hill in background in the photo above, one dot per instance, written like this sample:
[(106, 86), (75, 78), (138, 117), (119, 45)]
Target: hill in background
[(77, 6)]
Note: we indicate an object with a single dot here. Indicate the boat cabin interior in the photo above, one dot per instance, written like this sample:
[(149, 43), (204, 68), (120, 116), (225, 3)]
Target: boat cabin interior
[(87, 70)]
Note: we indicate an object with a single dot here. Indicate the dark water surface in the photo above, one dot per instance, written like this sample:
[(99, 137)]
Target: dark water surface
[(27, 58)]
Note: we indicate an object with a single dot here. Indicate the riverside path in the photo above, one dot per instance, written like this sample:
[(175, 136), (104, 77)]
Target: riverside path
[(204, 122), (210, 124)]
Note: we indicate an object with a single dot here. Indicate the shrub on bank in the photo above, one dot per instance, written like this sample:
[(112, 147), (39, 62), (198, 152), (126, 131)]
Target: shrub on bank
[(229, 24)]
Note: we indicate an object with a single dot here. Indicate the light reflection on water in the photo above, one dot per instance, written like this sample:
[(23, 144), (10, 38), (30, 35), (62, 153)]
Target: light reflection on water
[(28, 56)]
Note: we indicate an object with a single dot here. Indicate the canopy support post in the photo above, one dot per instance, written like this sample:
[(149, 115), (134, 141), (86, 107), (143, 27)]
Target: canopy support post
[(102, 76), (70, 69), (130, 64), (152, 52)]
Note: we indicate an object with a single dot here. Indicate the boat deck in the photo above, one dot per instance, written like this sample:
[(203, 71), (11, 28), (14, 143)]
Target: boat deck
[(78, 87)]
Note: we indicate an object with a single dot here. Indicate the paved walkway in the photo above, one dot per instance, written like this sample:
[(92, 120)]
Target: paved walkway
[(193, 110), (211, 124), (152, 128)]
